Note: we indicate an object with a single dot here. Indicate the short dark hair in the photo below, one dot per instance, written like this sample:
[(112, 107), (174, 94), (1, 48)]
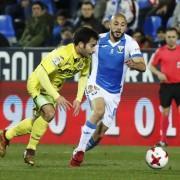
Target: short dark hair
[(84, 34), (87, 3), (161, 29), (41, 4), (62, 12), (172, 29)]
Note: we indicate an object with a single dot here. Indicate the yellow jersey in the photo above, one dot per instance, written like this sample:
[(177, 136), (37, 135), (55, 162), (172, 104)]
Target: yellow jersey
[(59, 64)]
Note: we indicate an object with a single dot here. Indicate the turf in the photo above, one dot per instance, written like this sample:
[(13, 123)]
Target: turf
[(102, 163)]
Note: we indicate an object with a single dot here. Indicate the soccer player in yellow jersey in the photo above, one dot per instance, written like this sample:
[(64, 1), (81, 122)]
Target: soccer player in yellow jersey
[(43, 86)]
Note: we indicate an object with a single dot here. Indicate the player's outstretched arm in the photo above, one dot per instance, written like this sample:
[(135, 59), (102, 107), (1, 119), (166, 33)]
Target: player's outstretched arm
[(136, 63)]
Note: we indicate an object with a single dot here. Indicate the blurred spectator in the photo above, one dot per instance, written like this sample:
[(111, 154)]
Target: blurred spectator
[(147, 43), (87, 17), (176, 17), (164, 9), (143, 12), (37, 30), (66, 35), (49, 20), (160, 39), (129, 8), (3, 41), (99, 9), (71, 5), (61, 22), (4, 3), (138, 35), (19, 12)]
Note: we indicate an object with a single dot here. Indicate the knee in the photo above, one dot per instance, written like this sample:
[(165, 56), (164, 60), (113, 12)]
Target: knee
[(99, 113), (49, 115)]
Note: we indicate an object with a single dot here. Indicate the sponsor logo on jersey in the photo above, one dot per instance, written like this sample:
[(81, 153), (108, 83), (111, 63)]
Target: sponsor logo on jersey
[(57, 60), (120, 49)]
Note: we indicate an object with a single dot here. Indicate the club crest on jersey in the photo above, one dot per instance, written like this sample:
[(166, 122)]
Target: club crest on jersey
[(120, 49), (57, 60)]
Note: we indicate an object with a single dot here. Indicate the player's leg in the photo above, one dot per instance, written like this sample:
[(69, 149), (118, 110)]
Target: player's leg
[(166, 96), (103, 109), (40, 125), (112, 101), (22, 128), (98, 107), (164, 123), (97, 136)]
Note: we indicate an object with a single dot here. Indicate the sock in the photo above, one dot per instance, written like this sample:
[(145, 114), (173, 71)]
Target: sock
[(87, 131), (164, 123), (91, 144), (39, 128), (24, 127)]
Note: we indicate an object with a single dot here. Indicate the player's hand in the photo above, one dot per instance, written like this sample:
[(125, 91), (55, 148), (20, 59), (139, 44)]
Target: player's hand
[(63, 103), (162, 77), (76, 107), (130, 63)]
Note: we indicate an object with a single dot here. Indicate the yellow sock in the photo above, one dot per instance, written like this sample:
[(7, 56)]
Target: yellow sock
[(39, 128), (24, 127)]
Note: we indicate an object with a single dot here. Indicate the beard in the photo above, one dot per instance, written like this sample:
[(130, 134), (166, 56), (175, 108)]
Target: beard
[(116, 35)]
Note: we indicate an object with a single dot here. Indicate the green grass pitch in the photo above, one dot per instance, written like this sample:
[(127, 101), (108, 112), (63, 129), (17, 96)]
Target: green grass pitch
[(101, 163)]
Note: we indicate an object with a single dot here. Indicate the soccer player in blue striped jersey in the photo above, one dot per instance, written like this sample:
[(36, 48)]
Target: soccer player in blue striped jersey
[(115, 52)]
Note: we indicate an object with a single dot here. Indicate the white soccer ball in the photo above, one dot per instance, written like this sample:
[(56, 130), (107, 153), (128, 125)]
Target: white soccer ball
[(156, 157)]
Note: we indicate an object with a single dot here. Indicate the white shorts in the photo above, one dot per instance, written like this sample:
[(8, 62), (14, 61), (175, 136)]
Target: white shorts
[(94, 91)]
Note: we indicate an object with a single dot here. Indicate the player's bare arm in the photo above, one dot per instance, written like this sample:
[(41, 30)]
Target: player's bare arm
[(161, 76), (136, 64)]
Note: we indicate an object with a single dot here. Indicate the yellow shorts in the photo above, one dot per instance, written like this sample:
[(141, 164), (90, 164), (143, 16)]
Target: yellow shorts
[(40, 101)]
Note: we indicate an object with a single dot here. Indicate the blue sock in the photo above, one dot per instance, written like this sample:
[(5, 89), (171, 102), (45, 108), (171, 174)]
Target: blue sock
[(91, 144)]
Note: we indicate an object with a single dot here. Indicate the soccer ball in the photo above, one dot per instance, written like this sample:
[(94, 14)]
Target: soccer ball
[(156, 157)]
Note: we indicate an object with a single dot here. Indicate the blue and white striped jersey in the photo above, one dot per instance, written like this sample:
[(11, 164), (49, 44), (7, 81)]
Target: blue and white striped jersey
[(108, 62)]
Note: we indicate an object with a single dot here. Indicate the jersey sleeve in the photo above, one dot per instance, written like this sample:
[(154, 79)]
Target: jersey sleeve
[(86, 69), (155, 60), (45, 82), (53, 61), (134, 49), (83, 81)]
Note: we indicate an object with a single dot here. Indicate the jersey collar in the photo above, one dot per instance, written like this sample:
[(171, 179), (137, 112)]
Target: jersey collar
[(107, 37)]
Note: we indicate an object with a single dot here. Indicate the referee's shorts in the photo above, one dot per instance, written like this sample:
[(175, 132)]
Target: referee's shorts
[(168, 92)]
